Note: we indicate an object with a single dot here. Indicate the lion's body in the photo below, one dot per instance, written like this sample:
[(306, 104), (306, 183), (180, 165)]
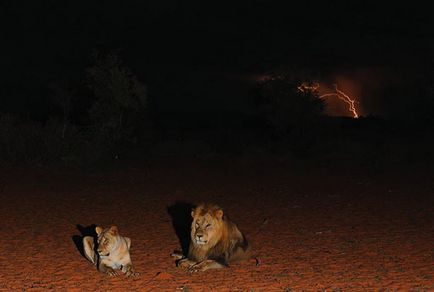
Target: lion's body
[(112, 251), (215, 241)]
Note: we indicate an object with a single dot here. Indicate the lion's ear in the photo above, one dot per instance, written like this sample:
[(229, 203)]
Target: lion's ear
[(219, 213), (98, 230), (114, 230)]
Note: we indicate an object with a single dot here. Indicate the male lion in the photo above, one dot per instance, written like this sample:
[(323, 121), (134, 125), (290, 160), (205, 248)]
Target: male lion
[(113, 251), (215, 241)]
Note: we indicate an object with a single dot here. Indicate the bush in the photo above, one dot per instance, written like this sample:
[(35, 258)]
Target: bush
[(25, 142), (120, 99)]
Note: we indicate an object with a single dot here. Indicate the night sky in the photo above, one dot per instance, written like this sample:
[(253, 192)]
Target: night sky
[(206, 56)]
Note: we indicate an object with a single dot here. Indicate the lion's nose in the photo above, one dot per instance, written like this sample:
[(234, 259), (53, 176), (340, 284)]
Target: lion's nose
[(198, 236)]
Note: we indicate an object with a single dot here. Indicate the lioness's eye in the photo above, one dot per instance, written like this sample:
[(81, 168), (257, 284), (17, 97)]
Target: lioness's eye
[(208, 225), (197, 225)]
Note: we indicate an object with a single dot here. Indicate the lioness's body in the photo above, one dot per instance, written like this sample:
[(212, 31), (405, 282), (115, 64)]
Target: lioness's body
[(215, 241), (113, 251)]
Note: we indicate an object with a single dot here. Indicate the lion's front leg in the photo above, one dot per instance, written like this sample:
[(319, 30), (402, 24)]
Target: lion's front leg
[(185, 263), (107, 270), (205, 265), (128, 269)]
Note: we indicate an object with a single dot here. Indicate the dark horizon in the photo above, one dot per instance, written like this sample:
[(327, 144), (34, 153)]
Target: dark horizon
[(203, 57)]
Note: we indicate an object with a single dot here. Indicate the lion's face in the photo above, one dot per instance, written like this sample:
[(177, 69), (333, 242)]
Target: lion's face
[(206, 228), (107, 239)]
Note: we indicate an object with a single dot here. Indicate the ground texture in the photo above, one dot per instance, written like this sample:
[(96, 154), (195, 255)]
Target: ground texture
[(315, 228)]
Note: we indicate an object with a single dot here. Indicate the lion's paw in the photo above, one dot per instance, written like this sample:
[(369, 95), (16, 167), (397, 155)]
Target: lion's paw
[(112, 273)]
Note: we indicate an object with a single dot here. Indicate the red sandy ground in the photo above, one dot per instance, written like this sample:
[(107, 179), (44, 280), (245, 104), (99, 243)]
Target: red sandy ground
[(324, 230)]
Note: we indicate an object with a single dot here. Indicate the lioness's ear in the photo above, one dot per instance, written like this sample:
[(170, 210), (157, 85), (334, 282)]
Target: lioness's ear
[(192, 212), (114, 230), (219, 213), (98, 230)]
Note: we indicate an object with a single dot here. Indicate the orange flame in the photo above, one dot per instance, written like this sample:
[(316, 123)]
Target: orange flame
[(314, 87)]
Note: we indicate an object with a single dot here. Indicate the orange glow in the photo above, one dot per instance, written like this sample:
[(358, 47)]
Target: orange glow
[(342, 96), (307, 87), (314, 87)]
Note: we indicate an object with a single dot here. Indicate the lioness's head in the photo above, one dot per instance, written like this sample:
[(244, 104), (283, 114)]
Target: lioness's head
[(107, 239), (206, 228)]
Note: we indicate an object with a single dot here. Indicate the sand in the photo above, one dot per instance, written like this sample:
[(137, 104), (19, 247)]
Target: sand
[(315, 229)]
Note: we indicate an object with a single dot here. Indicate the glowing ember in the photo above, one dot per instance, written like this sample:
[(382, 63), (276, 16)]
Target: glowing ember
[(314, 87)]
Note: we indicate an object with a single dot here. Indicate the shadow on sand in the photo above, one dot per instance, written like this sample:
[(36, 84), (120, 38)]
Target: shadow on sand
[(180, 212), (85, 231)]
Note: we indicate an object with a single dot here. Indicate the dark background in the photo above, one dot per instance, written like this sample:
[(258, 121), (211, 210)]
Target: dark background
[(201, 61)]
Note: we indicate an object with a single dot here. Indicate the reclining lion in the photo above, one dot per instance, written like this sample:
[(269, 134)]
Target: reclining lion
[(113, 251), (215, 241)]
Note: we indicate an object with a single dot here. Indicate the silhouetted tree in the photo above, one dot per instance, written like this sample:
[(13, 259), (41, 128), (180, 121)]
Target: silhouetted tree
[(411, 101), (62, 96), (120, 97)]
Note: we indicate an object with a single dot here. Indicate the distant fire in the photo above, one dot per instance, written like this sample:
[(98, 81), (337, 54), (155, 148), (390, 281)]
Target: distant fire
[(314, 87)]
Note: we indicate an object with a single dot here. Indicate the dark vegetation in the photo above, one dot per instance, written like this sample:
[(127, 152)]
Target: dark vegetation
[(106, 115)]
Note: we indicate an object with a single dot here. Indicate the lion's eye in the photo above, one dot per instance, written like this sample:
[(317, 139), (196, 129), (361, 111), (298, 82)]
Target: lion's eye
[(208, 225)]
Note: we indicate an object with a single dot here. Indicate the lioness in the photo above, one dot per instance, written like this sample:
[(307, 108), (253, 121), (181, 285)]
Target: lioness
[(215, 241), (113, 251)]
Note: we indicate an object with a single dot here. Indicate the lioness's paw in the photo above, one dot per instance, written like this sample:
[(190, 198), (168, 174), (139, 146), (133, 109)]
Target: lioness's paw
[(131, 273), (112, 273)]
